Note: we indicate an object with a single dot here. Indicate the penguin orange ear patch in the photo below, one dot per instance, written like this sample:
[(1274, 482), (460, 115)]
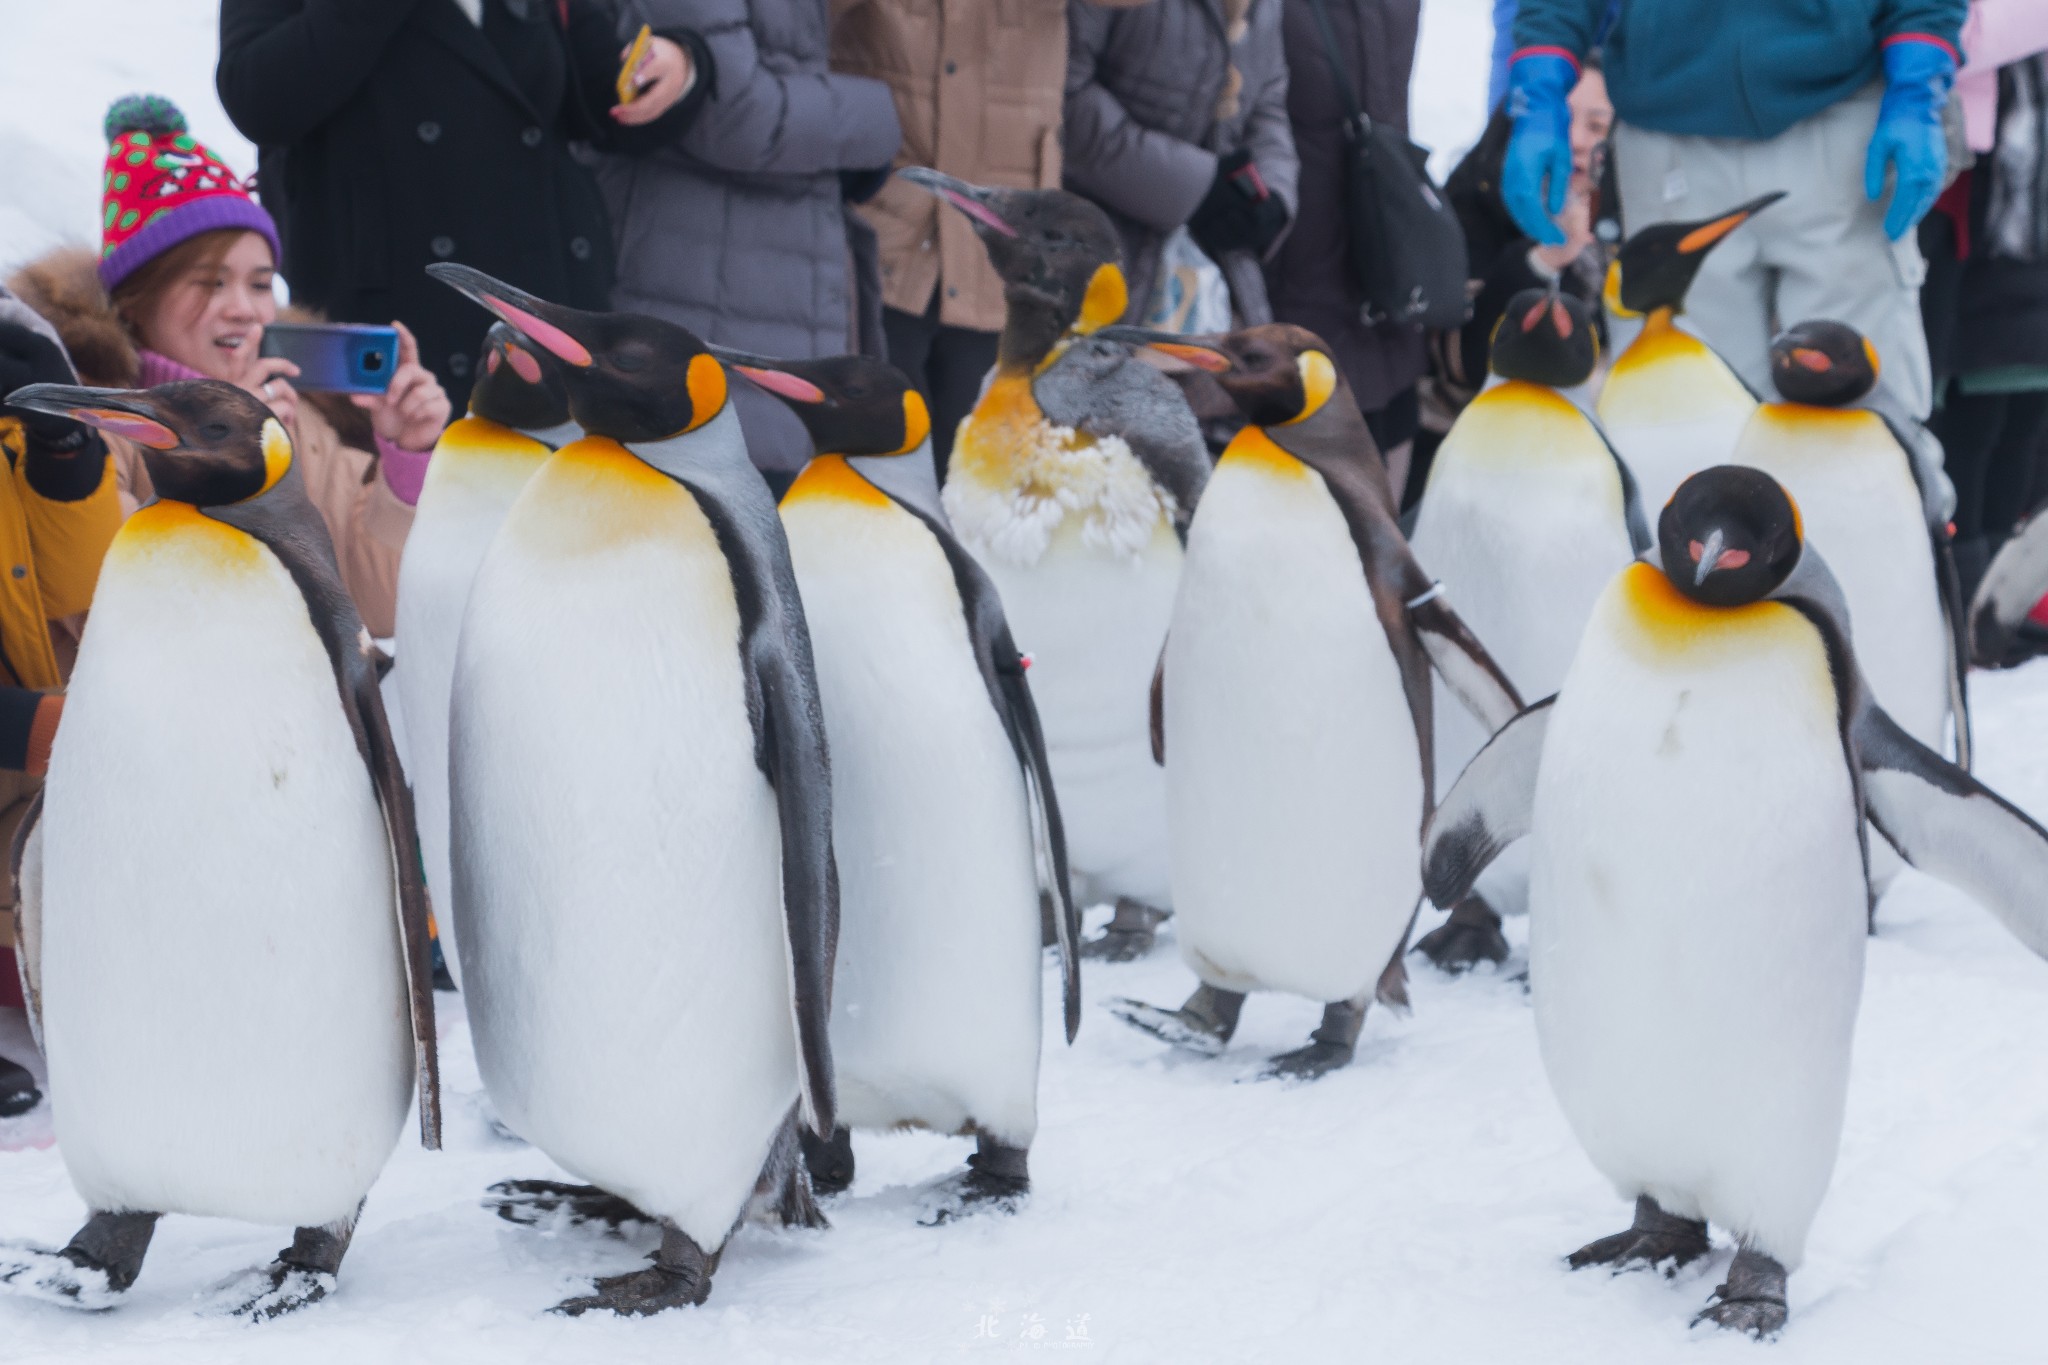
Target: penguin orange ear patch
[(277, 453), (1318, 382), (128, 425), (706, 380), (917, 421), (788, 386), (1107, 298)]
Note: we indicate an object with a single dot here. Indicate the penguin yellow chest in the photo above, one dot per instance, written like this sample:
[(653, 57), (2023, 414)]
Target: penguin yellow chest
[(1294, 782), (214, 866)]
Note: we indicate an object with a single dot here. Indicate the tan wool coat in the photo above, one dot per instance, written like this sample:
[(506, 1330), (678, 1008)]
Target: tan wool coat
[(978, 87)]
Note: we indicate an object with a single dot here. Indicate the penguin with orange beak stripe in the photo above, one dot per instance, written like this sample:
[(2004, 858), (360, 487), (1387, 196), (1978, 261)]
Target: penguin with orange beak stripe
[(1670, 405), (1698, 797), (945, 824), (518, 416), (1073, 481), (224, 716), (645, 894), (1293, 708)]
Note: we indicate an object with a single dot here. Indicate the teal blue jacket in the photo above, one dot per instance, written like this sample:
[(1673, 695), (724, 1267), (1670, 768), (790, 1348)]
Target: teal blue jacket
[(1736, 68)]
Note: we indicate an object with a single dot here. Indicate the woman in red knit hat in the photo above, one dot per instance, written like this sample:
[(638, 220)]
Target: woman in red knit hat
[(181, 289)]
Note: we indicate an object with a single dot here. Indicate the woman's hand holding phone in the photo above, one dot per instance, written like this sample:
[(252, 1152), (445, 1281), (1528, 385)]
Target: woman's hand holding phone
[(413, 412), (268, 378), (657, 77)]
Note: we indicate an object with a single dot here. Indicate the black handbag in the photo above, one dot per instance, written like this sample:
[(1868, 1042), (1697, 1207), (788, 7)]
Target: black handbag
[(1406, 246)]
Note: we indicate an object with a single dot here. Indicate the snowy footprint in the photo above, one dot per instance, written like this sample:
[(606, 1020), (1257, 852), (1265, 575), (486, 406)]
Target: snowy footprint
[(54, 1277)]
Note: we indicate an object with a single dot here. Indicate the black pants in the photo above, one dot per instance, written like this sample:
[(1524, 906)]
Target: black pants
[(1996, 447), (947, 365)]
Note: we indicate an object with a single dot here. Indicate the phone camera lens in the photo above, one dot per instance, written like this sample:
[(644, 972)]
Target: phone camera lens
[(373, 361)]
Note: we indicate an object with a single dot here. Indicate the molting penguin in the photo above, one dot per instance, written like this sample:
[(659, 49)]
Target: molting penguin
[(224, 718), (642, 824), (1670, 404), (2008, 622), (1527, 516), (1697, 794), (1864, 500), (1072, 482), (1293, 707), (944, 821), (518, 416)]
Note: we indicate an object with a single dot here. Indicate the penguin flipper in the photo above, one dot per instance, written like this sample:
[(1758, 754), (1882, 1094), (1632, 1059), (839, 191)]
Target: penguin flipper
[(25, 872), (1467, 669), (2016, 580), (1003, 672), (1949, 587), (1951, 826), (1489, 807)]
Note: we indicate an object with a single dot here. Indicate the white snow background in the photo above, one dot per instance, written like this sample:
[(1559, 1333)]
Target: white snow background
[(1413, 1208)]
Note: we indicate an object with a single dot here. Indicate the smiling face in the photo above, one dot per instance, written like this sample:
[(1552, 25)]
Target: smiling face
[(206, 307)]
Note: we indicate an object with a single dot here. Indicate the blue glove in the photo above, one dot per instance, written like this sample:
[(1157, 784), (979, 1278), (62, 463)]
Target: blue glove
[(1538, 170), (1909, 137)]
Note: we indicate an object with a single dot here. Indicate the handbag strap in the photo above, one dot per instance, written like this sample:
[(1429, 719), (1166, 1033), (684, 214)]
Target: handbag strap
[(1359, 118)]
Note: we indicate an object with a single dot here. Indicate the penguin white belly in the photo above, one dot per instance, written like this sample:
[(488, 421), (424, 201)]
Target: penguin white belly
[(1294, 779), (1672, 408), (616, 848), (223, 993), (1524, 523), (467, 494), (1093, 621), (935, 1007), (1860, 509), (1697, 911)]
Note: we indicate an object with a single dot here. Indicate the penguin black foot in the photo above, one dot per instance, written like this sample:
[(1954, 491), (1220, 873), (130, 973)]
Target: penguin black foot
[(1132, 932), (1202, 1025), (1751, 1299), (830, 1161), (1330, 1048), (997, 1180), (552, 1203), (1469, 937), (303, 1274), (92, 1272), (679, 1278), (785, 1193), (1655, 1239), (18, 1092)]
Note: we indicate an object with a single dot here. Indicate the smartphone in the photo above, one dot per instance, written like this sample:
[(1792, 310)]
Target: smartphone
[(335, 357), (629, 89)]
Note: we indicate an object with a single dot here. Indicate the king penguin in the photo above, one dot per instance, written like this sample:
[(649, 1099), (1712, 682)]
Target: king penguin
[(224, 718), (645, 895), (1698, 795), (1527, 515), (945, 825), (1072, 481), (1670, 404), (518, 416), (1861, 495), (1293, 708)]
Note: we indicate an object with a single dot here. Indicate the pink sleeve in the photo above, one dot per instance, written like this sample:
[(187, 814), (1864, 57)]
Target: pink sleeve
[(405, 471), (1999, 32)]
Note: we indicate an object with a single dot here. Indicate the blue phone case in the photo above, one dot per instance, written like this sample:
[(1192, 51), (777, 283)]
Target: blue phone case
[(335, 357)]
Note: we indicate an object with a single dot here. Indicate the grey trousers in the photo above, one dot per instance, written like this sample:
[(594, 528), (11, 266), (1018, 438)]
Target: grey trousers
[(1820, 252)]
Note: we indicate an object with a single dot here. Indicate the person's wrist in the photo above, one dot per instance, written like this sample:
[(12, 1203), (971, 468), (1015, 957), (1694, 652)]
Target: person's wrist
[(1546, 263)]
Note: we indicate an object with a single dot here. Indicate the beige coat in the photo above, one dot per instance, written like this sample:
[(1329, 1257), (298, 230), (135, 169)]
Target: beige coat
[(978, 86)]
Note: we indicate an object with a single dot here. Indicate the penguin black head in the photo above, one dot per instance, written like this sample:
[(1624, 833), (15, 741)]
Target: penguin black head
[(1276, 374), (521, 384), (1729, 536), (1823, 363), (1656, 266), (850, 404), (1057, 254), (629, 377), (203, 441), (1546, 337)]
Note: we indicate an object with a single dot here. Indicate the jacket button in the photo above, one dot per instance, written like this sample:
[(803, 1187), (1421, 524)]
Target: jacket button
[(430, 131), (444, 247), (952, 291), (579, 247), (951, 67), (458, 365), (21, 571), (531, 137)]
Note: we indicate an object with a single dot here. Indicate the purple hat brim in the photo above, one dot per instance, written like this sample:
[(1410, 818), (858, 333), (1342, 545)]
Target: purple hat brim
[(224, 209)]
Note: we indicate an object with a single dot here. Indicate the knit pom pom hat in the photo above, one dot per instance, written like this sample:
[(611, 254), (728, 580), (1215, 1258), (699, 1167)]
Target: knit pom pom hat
[(162, 186)]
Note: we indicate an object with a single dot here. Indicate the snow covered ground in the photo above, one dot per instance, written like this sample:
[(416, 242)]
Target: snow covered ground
[(1415, 1207)]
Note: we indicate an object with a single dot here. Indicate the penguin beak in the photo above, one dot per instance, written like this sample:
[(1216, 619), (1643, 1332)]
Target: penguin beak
[(1706, 234), (763, 370), (543, 323), (1715, 554), (972, 200), (1199, 352), (124, 412)]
